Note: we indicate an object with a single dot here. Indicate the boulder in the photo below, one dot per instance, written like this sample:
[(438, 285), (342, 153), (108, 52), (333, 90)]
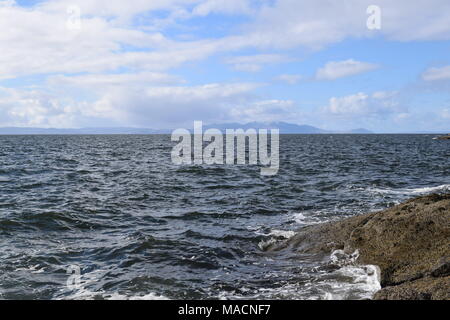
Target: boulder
[(410, 243)]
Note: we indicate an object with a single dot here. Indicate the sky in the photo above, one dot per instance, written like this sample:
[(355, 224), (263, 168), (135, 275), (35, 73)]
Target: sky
[(166, 63)]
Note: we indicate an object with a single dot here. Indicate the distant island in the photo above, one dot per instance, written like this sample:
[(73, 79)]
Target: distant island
[(284, 127)]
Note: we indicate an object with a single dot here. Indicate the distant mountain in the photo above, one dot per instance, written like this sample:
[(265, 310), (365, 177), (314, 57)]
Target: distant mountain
[(284, 127), (360, 131)]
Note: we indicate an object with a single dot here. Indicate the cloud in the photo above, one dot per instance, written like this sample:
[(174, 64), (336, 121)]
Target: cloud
[(316, 24), (265, 111), (381, 111), (41, 43), (74, 103), (289, 23), (223, 6), (378, 104), (422, 21), (180, 106), (118, 9), (254, 63), (108, 81), (445, 113), (289, 78), (434, 74), (340, 69), (118, 68), (33, 108), (110, 38)]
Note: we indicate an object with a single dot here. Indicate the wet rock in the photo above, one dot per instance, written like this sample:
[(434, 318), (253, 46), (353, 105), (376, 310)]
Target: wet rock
[(442, 269), (421, 289), (409, 242), (447, 137)]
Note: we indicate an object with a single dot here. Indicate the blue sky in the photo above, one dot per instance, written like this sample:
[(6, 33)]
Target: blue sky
[(166, 63)]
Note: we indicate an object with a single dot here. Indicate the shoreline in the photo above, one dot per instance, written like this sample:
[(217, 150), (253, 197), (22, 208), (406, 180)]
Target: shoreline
[(408, 242)]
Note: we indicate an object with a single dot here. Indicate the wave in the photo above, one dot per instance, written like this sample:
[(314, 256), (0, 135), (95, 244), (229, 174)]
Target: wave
[(363, 281), (84, 294), (351, 280), (302, 219), (412, 191), (275, 236)]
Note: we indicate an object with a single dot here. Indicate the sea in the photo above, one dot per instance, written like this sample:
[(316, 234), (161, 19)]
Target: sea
[(111, 217)]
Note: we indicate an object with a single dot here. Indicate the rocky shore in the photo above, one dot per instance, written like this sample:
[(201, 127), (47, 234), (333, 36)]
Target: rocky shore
[(447, 137), (410, 243)]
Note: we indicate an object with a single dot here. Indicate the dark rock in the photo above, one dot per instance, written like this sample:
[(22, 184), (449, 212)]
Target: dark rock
[(442, 269), (421, 289), (447, 137), (407, 242)]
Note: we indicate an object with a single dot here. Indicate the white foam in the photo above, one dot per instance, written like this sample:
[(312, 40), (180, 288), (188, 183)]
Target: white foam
[(301, 218), (32, 269), (340, 258), (276, 236), (363, 283), (350, 282), (282, 233), (347, 283), (264, 244), (363, 280), (150, 296), (292, 291), (83, 292), (86, 294), (423, 190)]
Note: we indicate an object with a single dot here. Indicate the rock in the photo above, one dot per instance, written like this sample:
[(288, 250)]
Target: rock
[(409, 242), (442, 269), (421, 289)]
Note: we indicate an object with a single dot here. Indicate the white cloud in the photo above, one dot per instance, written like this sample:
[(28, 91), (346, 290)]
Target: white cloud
[(422, 21), (254, 63), (135, 104), (123, 100), (167, 106), (339, 69), (378, 104), (125, 56), (118, 9), (106, 81), (289, 23), (289, 78), (433, 74), (316, 24), (223, 6), (265, 111), (32, 108), (39, 41), (445, 113)]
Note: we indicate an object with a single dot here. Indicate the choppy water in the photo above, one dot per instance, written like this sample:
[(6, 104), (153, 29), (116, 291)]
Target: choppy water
[(140, 227)]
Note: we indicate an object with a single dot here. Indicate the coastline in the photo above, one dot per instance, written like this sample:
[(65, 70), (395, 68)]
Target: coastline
[(408, 242)]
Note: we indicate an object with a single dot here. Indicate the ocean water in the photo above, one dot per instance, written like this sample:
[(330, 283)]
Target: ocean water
[(139, 227)]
